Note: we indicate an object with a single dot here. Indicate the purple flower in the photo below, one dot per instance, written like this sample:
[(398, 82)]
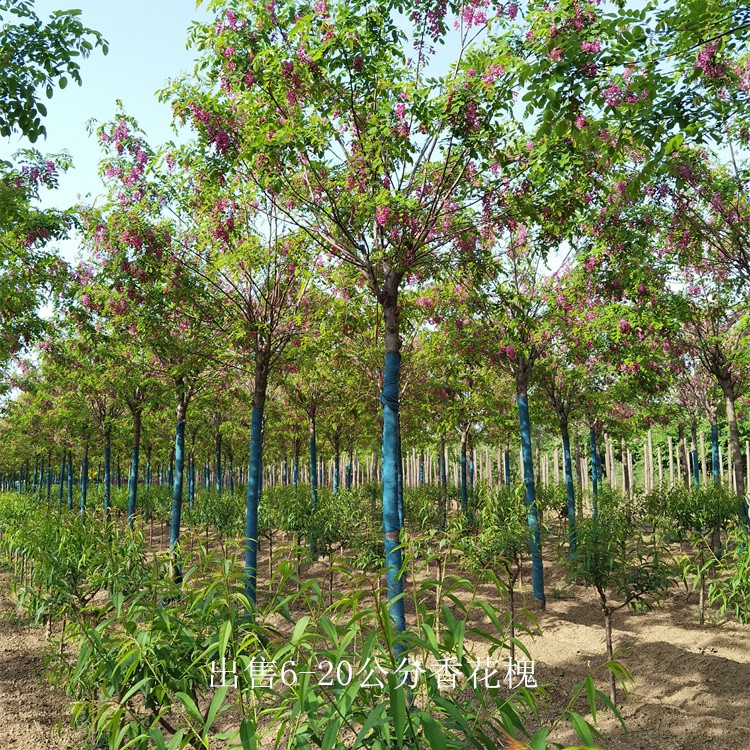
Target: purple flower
[(381, 214)]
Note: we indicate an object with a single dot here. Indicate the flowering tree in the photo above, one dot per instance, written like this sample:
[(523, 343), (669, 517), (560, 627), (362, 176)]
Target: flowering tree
[(716, 332), (151, 296), (29, 271), (254, 275), (361, 143)]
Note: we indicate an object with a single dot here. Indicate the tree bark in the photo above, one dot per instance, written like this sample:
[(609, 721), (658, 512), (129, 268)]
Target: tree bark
[(537, 567), (392, 525)]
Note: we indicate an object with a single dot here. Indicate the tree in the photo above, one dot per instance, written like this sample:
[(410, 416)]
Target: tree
[(360, 148), (29, 272), (38, 55)]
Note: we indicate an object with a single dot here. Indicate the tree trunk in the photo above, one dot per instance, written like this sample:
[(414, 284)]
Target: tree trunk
[(537, 568), (295, 468), (61, 482), (569, 488), (254, 479), (70, 480), (313, 473), (179, 465), (464, 488), (218, 476), (49, 476), (134, 457), (84, 477), (694, 451), (107, 472), (734, 441), (610, 654), (390, 449), (594, 472), (336, 465)]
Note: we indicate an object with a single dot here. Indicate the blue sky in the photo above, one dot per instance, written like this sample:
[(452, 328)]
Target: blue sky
[(147, 46)]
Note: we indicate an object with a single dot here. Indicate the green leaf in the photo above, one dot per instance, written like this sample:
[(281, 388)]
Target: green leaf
[(331, 734), (398, 708), (248, 735), (299, 629), (190, 706), (581, 727), (225, 633), (434, 734), (539, 740), (376, 718), (214, 707), (591, 692)]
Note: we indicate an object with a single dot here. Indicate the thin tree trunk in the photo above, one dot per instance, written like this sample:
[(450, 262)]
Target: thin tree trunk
[(537, 568)]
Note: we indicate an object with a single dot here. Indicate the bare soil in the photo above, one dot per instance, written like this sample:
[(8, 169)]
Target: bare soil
[(33, 716), (691, 686)]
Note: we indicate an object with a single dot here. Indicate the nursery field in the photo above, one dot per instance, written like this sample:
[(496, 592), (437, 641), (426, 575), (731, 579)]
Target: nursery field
[(128, 652), (398, 399)]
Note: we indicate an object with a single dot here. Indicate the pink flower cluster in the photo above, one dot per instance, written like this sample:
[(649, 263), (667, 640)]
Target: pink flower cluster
[(708, 64), (37, 176), (381, 215), (215, 131)]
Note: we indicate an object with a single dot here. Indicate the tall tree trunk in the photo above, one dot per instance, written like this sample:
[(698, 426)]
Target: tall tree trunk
[(537, 567), (443, 467), (61, 483), (49, 475), (231, 472), (84, 477), (443, 487), (694, 446), (734, 439), (464, 488), (400, 483), (569, 488), (107, 473), (682, 447), (218, 470), (594, 472), (715, 452), (295, 470), (472, 468), (313, 472), (254, 479), (41, 477), (134, 457), (336, 464), (191, 479), (179, 465), (70, 480), (390, 449)]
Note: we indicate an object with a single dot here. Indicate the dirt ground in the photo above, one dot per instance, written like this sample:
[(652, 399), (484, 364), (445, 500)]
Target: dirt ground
[(691, 686), (33, 716)]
